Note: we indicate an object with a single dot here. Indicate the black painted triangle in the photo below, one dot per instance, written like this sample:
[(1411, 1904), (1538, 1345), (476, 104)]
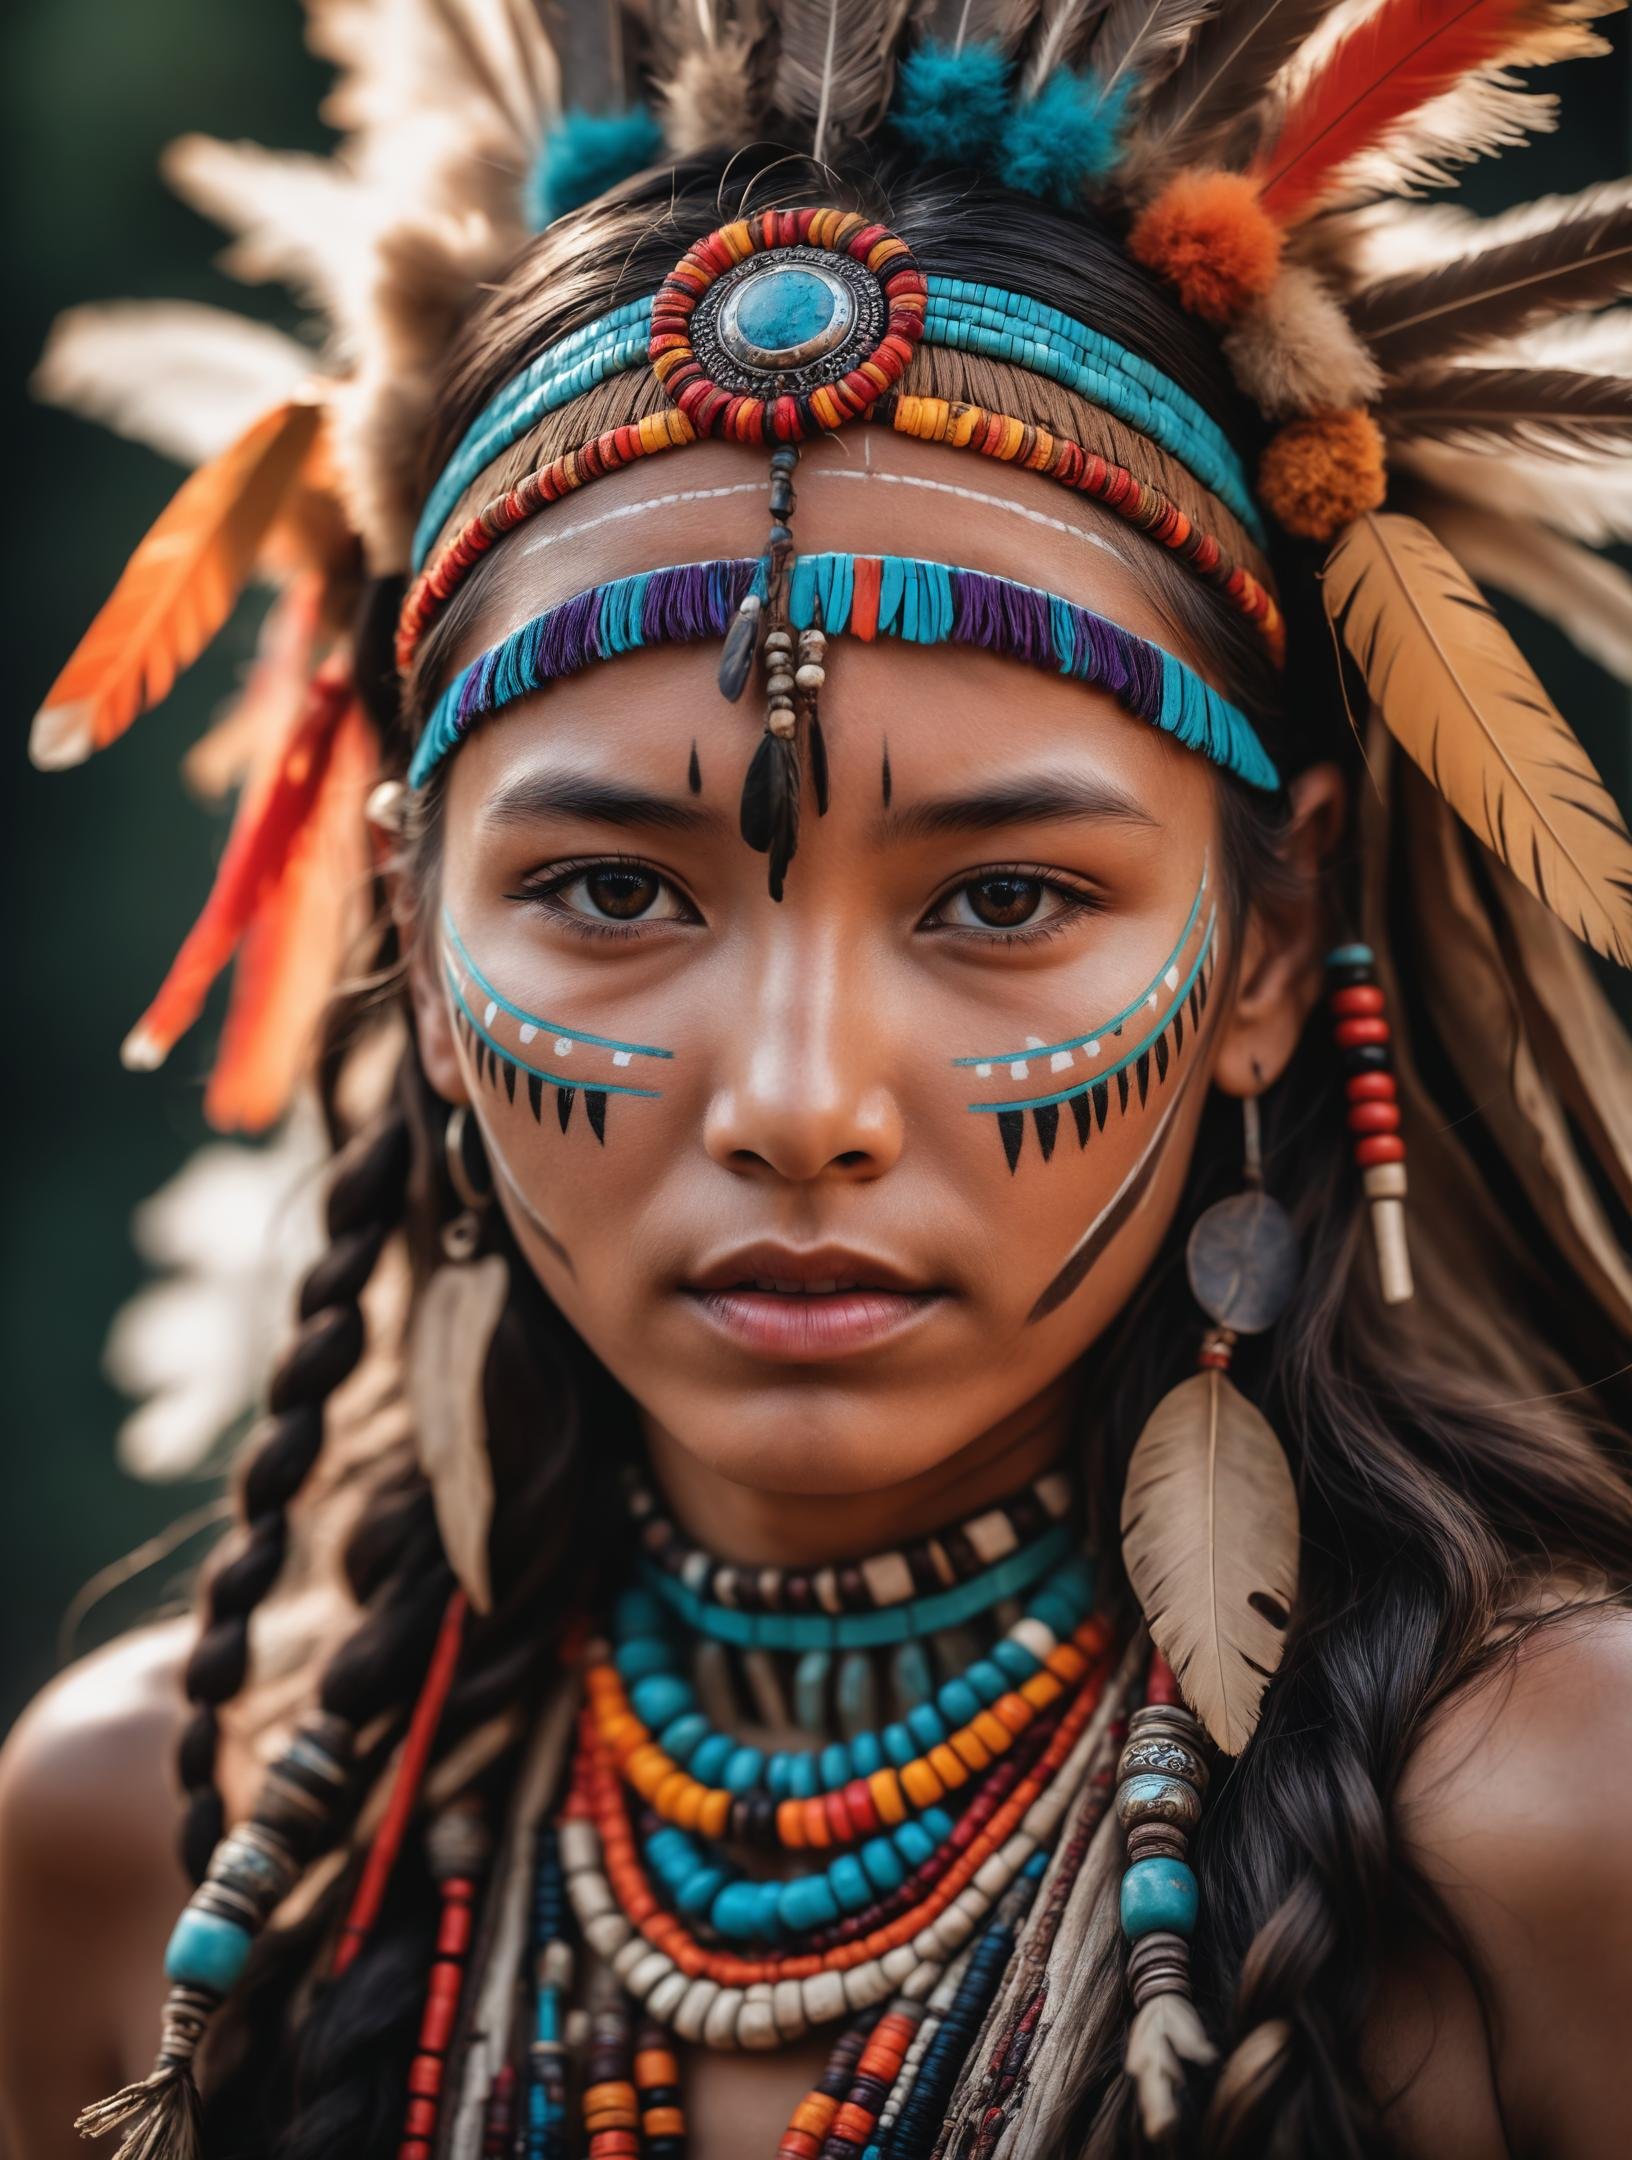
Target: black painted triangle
[(1101, 1093), (1046, 1118), (1195, 1003), (1161, 1057), (1141, 1072), (1122, 1086), (1084, 1118), (535, 1095), (1012, 1125), (1178, 1033), (509, 1079), (694, 773), (595, 1110), (563, 1105)]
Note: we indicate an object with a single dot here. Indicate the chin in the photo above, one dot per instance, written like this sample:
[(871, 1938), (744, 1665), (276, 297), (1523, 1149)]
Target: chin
[(817, 1441)]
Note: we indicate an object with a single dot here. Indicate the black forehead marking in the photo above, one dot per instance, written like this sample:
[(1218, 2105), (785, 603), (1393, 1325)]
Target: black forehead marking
[(694, 771)]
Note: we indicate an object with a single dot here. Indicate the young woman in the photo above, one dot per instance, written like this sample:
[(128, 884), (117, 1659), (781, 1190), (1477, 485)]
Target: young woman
[(885, 1529)]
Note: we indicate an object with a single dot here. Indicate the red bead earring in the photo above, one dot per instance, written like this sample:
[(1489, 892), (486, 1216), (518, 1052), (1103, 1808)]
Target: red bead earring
[(1363, 1036)]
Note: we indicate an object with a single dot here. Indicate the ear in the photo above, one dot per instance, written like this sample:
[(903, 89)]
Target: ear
[(427, 992), (1282, 951)]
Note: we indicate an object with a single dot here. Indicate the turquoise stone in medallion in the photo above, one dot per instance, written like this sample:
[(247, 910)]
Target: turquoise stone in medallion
[(786, 316)]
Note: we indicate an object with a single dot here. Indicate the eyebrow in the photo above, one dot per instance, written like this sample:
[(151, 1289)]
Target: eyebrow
[(531, 796), (1028, 799)]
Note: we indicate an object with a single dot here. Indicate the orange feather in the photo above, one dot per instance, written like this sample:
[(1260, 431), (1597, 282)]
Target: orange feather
[(275, 806), (295, 948), (1391, 63), (177, 589)]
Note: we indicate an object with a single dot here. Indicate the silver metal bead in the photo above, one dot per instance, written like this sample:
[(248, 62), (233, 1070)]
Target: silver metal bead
[(1157, 1800), (1159, 1754)]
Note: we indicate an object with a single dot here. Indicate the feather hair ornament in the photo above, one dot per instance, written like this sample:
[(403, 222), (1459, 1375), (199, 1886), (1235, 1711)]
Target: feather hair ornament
[(1588, 597), (454, 1320), (1137, 45), (177, 589), (835, 67), (707, 86), (1547, 411), (1002, 24), (1295, 350), (1213, 108), (1210, 1542), (1455, 692)]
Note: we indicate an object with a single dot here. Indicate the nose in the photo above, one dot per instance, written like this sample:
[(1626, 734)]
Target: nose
[(801, 1093)]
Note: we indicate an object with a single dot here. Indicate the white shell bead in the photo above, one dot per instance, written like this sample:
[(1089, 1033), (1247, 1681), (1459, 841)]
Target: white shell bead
[(897, 1963), (756, 2027), (592, 1896), (922, 1979), (788, 2009), (648, 1973), (720, 2025), (695, 2005), (993, 1876), (580, 1846), (1037, 1637), (865, 1985), (607, 1933), (666, 1997), (824, 1997), (811, 676)]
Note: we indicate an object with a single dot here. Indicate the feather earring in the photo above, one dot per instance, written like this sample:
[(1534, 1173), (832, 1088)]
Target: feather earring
[(1456, 693), (457, 1314), (1209, 1510)]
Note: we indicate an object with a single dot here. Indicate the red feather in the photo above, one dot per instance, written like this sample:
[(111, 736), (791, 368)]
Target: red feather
[(1386, 68), (272, 813), (177, 589)]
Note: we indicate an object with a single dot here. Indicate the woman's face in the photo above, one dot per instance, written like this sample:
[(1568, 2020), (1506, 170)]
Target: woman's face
[(834, 1185)]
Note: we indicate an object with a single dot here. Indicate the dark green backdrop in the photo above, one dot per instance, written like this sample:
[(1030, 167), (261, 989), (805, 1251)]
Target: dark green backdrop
[(101, 868)]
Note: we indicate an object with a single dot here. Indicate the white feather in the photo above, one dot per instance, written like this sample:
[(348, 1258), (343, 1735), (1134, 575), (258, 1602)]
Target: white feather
[(1589, 598), (1596, 507), (182, 378)]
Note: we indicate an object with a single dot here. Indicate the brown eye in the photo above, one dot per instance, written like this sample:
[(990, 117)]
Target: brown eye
[(1003, 903), (622, 895)]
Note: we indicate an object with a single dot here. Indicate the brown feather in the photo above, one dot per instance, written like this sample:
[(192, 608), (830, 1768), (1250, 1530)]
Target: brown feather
[(453, 1325), (1210, 1541), (1481, 1025), (177, 589), (836, 65), (1138, 45), (958, 23), (1491, 409), (1213, 110), (1458, 696), (1500, 286)]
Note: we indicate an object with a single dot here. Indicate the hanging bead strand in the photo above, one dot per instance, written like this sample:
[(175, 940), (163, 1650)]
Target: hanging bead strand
[(456, 1845), (1363, 1036)]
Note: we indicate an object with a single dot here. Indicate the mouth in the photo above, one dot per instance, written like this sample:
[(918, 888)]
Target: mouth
[(822, 1302)]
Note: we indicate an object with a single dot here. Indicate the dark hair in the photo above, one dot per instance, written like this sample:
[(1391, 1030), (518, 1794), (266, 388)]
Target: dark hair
[(1427, 1509)]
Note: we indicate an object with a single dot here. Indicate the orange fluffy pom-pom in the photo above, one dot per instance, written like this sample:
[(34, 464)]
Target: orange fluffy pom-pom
[(1321, 473), (1211, 239)]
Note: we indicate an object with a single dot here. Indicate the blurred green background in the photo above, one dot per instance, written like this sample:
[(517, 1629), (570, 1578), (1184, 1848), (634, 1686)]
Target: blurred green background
[(101, 868)]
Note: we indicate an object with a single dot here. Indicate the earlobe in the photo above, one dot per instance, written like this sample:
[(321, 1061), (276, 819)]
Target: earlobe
[(1278, 973)]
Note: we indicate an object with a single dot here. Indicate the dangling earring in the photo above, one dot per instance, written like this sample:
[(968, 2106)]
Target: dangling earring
[(1210, 1542), (1362, 1033), (453, 1327), (1209, 1512)]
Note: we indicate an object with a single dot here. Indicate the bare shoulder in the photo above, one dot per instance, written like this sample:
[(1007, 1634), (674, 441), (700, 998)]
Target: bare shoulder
[(1517, 1808), (88, 1878)]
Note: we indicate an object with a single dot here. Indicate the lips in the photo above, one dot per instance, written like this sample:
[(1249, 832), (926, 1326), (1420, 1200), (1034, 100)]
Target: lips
[(807, 1304)]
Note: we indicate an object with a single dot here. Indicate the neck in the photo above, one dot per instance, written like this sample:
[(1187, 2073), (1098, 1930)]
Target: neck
[(747, 1526)]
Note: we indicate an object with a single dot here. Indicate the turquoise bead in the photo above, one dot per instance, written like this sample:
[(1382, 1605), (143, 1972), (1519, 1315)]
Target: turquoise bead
[(834, 1766), (910, 1670), (1014, 1659), (636, 1612), (936, 1824), (683, 1736), (783, 308), (883, 1864), (1158, 1896), (802, 1778), (660, 1699), (807, 1902), (735, 1912), (847, 1879), (924, 1724), (866, 1754), (699, 1891), (987, 1680), (711, 1758), (206, 1951), (958, 1703), (779, 1775), (742, 1770), (899, 1745), (914, 1843), (1056, 1612), (640, 1657)]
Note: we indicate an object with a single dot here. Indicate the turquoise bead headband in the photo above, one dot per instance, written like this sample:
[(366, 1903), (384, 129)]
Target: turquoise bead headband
[(962, 314)]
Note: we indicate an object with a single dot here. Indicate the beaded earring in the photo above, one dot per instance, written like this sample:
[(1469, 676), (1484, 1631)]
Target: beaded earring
[(1209, 1510), (454, 1323), (1363, 1036)]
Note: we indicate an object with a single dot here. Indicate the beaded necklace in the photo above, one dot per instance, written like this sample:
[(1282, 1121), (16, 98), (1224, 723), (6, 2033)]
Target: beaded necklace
[(697, 1887)]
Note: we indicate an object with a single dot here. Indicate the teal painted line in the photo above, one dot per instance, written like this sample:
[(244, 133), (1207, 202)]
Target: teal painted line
[(1110, 1027), (1010, 1577), (579, 1087), (1043, 1102), (527, 1019)]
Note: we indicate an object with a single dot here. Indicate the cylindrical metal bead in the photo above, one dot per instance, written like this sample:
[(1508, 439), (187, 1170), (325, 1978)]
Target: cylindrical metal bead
[(1150, 1798)]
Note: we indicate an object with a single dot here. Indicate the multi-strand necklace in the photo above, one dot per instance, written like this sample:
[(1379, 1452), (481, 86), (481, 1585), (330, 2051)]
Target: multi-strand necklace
[(797, 1800)]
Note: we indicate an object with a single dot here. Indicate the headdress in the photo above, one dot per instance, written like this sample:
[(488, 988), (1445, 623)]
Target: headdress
[(1442, 401)]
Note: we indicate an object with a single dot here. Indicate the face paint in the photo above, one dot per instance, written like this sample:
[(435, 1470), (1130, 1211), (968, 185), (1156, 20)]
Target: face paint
[(481, 1011), (1157, 1017)]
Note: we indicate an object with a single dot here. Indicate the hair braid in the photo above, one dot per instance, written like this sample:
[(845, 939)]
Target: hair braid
[(365, 1202)]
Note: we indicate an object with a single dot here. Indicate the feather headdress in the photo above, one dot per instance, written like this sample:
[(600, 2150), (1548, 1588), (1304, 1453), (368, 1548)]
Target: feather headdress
[(1263, 154)]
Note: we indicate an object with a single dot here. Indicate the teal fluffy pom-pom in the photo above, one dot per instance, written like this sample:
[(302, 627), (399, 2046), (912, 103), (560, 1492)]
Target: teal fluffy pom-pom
[(584, 155), (1067, 136), (952, 105)]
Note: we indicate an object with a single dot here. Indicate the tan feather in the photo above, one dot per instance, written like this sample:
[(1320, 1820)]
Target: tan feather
[(957, 23), (1296, 351), (1138, 45), (1587, 596), (1210, 1542), (177, 589), (298, 220), (1165, 2035), (1458, 696), (1481, 1025), (182, 378), (453, 1326)]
